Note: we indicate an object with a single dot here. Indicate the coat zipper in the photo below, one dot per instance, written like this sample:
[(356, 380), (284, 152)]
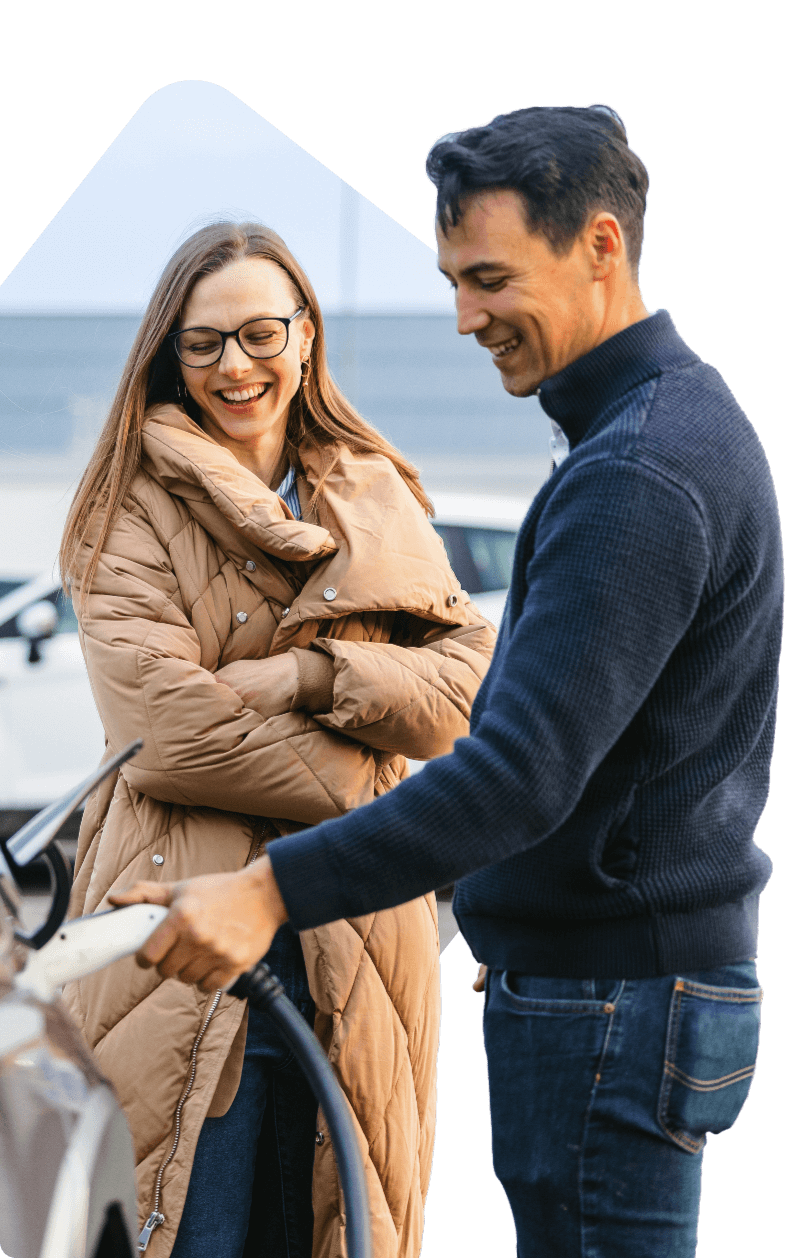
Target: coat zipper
[(156, 1218)]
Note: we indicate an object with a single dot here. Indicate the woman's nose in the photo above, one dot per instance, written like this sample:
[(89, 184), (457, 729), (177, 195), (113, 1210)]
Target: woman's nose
[(234, 362)]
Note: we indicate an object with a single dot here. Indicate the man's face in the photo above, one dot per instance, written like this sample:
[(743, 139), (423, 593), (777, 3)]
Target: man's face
[(534, 310)]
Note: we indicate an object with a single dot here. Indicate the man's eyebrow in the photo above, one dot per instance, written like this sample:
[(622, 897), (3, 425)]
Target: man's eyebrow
[(478, 268)]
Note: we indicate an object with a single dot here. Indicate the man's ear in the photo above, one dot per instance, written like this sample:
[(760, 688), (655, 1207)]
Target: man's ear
[(606, 240)]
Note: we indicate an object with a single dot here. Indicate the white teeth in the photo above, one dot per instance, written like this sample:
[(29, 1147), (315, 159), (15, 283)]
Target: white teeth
[(505, 348), (243, 395)]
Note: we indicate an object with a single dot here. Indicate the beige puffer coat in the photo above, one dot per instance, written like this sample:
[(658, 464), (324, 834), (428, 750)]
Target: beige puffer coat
[(204, 566)]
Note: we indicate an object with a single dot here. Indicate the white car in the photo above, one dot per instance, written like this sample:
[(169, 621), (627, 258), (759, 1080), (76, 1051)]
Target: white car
[(479, 535), (50, 733)]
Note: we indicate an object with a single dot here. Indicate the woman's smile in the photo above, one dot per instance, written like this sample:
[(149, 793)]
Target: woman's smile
[(241, 400)]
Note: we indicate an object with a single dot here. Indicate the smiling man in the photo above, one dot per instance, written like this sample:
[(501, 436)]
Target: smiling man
[(600, 816)]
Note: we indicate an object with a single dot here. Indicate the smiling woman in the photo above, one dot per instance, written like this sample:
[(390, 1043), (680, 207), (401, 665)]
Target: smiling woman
[(243, 381), (262, 599), (317, 410)]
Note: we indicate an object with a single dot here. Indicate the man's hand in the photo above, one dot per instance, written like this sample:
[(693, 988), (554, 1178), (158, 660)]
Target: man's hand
[(479, 984), (266, 686), (218, 925)]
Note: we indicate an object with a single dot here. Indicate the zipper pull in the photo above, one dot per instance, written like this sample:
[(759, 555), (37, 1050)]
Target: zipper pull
[(155, 1219)]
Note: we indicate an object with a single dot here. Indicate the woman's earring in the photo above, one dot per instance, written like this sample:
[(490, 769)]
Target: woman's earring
[(305, 369), (181, 389)]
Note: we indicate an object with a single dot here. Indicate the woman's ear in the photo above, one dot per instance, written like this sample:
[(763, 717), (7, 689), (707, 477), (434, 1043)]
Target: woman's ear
[(185, 400), (307, 337)]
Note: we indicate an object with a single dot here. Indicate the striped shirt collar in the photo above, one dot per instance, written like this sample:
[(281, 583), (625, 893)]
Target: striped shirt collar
[(287, 490)]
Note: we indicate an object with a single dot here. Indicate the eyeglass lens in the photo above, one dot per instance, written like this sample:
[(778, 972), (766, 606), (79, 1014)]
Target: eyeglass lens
[(262, 338)]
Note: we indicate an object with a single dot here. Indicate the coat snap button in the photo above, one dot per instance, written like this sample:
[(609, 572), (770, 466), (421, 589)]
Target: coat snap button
[(250, 565), (330, 593), (452, 600), (158, 860), (241, 617), (285, 612), (319, 1137)]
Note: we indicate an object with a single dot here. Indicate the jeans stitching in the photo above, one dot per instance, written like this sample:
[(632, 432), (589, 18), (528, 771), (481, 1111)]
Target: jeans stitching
[(596, 1081), (672, 1072), (528, 1004), (680, 1138), (709, 1085), (730, 995)]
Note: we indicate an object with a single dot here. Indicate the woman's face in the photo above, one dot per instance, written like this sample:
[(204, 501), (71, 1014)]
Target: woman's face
[(243, 398)]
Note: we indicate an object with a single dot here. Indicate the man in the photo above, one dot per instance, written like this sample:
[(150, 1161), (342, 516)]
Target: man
[(618, 758)]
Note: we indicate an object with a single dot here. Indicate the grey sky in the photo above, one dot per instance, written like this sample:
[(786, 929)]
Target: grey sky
[(194, 152)]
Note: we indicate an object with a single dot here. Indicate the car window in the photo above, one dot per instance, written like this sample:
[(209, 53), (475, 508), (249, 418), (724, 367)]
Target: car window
[(481, 558), (67, 621), (492, 551), (460, 556)]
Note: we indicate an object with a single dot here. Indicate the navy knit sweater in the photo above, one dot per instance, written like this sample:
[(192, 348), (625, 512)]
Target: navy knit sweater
[(619, 750)]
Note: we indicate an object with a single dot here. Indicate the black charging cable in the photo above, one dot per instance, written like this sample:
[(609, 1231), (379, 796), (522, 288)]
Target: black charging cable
[(265, 992)]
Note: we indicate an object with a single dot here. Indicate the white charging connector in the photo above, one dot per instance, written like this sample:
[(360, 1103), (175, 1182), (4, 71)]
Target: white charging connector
[(87, 944)]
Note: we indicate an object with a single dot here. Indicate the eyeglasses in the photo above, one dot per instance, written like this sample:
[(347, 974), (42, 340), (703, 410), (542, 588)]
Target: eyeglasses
[(258, 338)]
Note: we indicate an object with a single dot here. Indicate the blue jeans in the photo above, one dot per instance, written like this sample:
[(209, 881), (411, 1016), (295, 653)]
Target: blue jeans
[(250, 1191), (602, 1092)]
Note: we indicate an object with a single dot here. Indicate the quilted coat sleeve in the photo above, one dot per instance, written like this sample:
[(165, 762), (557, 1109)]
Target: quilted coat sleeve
[(201, 745), (413, 699)]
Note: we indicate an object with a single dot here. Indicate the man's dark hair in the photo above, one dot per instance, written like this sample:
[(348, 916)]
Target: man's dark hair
[(566, 163)]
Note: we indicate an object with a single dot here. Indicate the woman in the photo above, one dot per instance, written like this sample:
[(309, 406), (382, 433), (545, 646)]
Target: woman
[(262, 598)]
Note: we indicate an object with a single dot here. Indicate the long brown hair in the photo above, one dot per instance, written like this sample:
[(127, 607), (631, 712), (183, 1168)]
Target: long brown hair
[(320, 415)]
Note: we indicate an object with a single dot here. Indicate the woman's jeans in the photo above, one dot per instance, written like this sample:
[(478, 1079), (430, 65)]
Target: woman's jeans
[(250, 1191), (602, 1092)]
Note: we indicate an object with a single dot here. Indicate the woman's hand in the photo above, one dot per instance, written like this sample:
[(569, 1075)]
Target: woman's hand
[(266, 686), (218, 926)]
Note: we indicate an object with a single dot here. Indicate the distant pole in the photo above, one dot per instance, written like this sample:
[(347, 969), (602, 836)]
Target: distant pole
[(349, 276)]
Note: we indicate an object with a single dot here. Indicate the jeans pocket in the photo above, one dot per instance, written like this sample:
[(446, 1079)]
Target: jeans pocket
[(711, 1051)]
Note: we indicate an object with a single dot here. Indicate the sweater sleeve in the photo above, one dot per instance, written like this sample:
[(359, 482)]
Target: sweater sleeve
[(201, 745), (613, 580)]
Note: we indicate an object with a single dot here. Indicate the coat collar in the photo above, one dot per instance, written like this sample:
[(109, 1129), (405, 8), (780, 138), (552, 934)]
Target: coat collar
[(380, 551), (191, 465)]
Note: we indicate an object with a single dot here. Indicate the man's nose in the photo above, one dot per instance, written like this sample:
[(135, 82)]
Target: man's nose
[(470, 315)]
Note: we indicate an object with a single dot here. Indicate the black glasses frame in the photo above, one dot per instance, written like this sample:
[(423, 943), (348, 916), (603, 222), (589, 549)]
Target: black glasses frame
[(172, 337)]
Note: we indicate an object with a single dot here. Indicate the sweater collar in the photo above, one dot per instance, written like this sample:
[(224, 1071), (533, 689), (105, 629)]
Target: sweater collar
[(583, 390)]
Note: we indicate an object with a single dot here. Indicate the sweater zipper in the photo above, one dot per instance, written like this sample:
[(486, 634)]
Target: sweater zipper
[(156, 1218)]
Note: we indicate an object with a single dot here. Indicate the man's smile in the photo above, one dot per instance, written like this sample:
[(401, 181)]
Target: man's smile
[(502, 348)]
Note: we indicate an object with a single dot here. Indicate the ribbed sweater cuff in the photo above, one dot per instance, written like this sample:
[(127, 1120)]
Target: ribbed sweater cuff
[(315, 688)]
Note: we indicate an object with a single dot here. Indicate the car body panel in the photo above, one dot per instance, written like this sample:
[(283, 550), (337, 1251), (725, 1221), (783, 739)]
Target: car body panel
[(66, 1158)]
